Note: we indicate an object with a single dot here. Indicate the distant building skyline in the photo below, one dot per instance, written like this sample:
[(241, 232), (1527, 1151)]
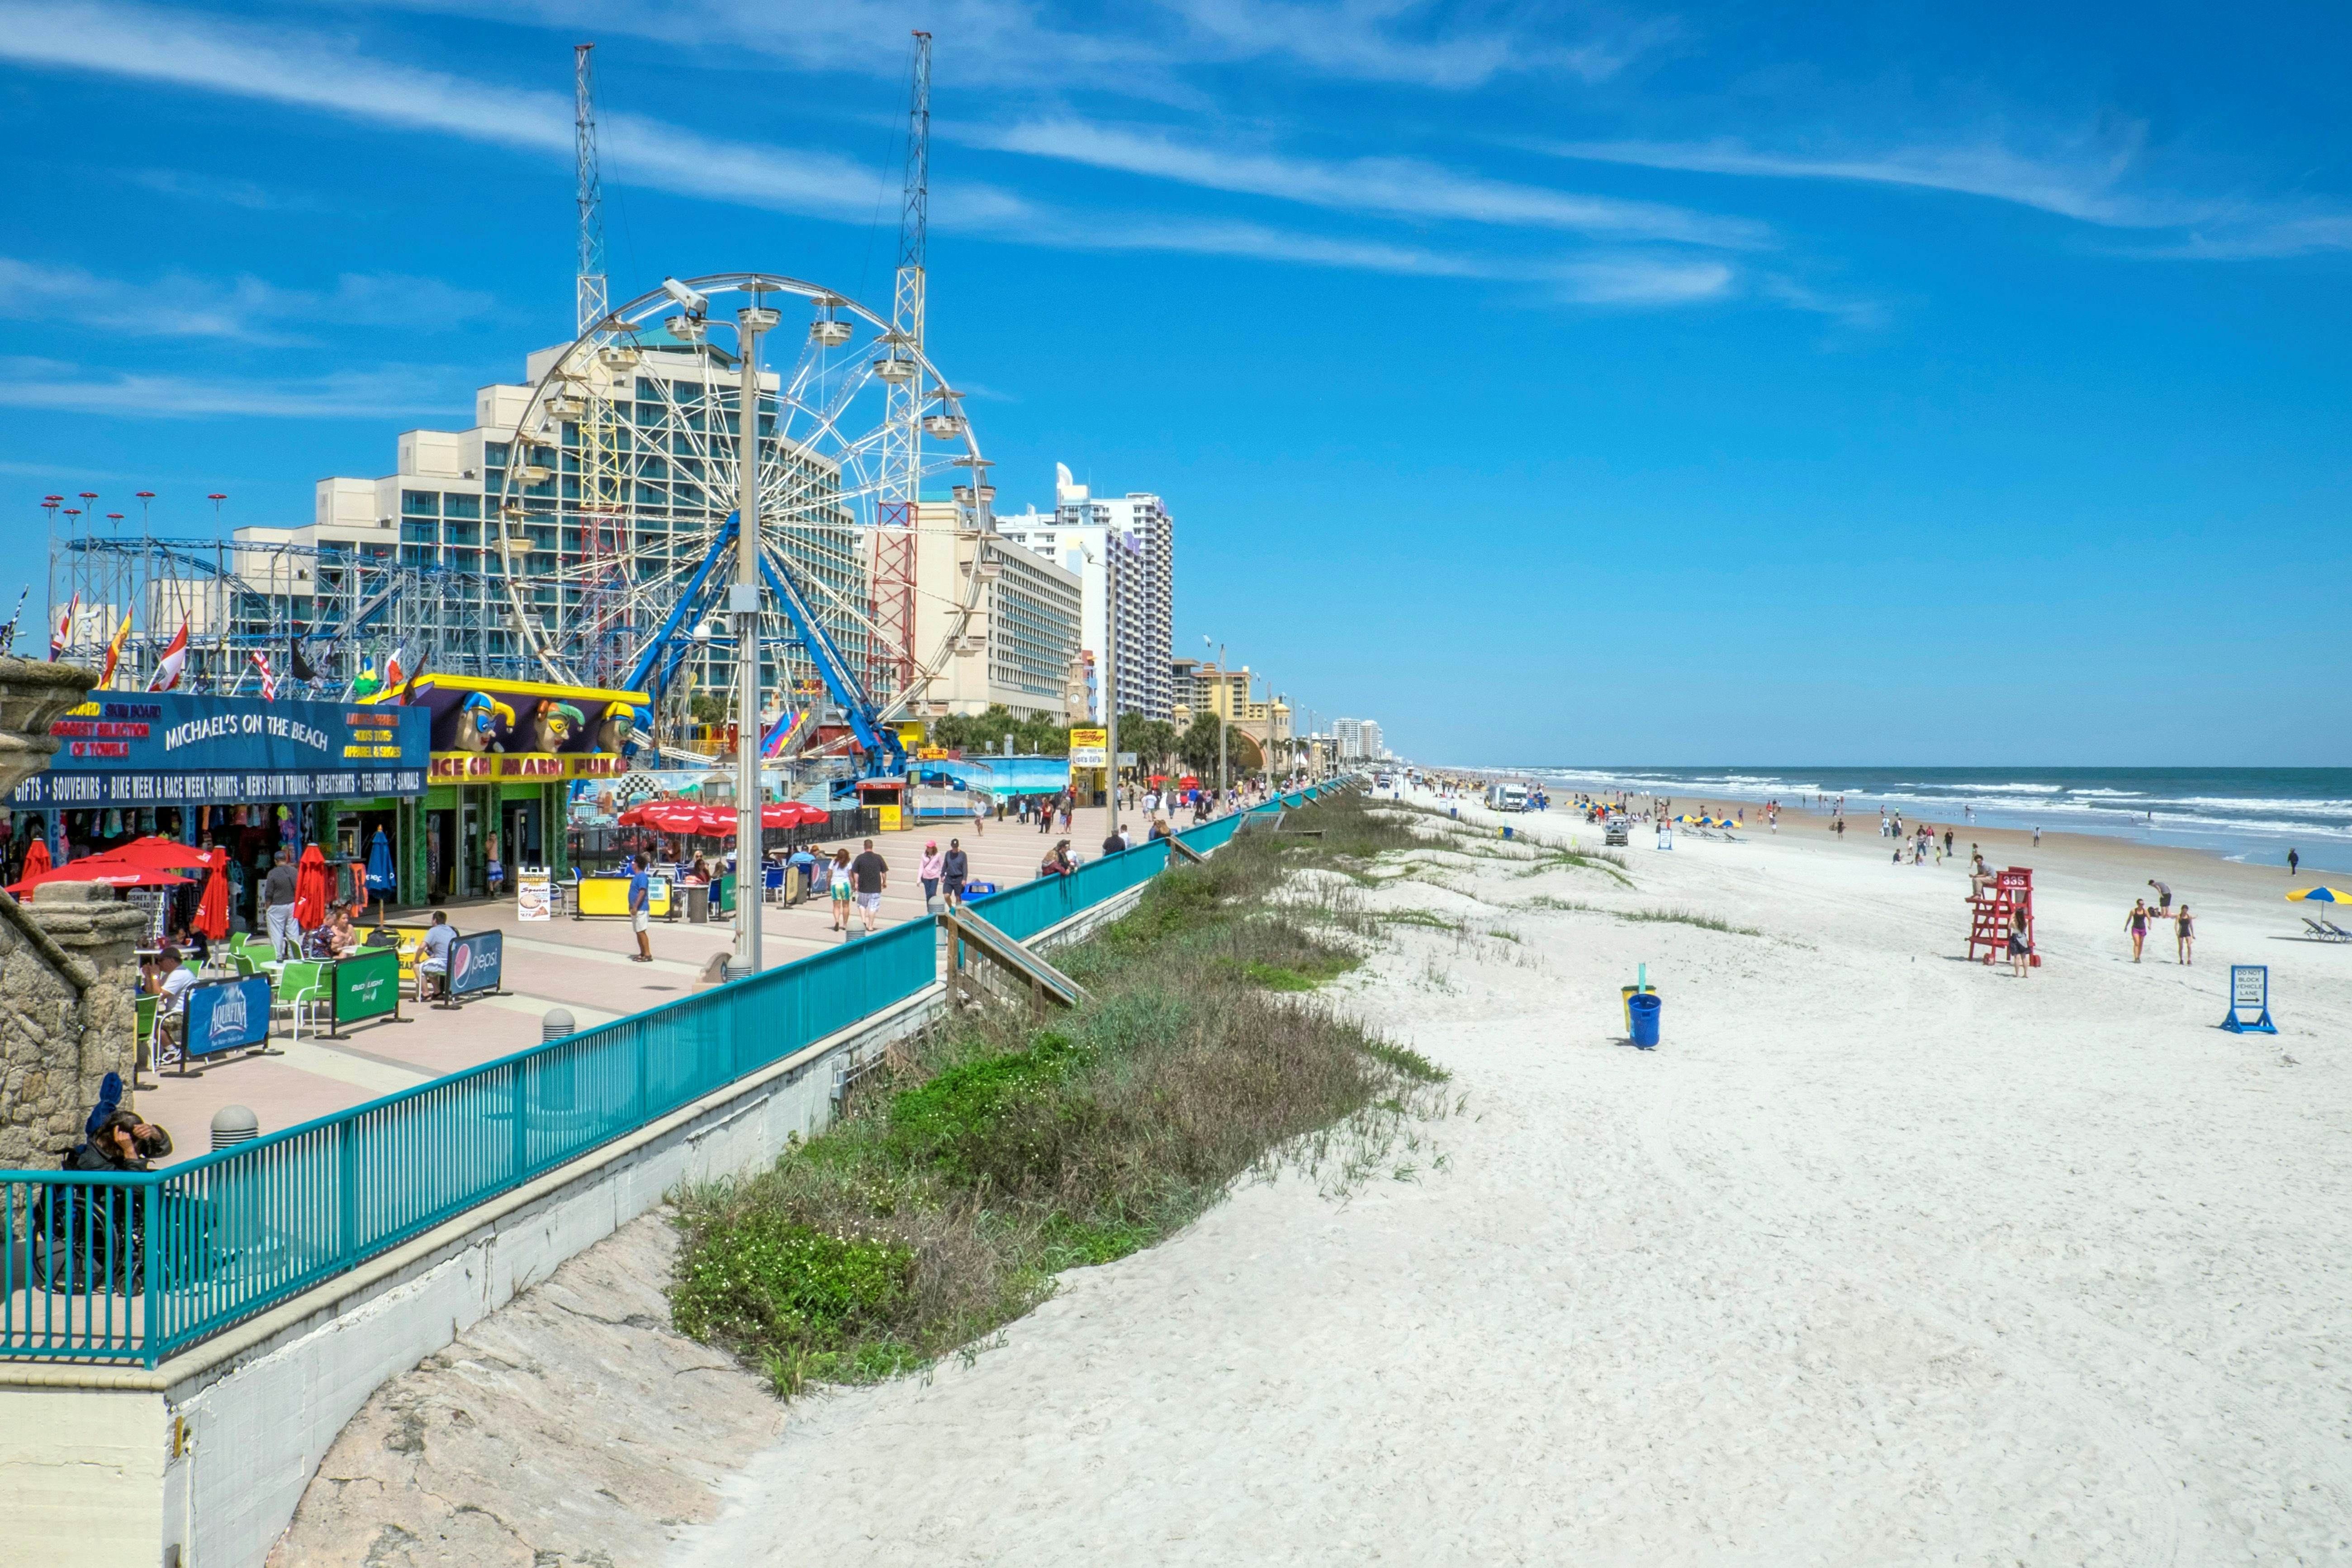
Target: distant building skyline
[(1123, 549)]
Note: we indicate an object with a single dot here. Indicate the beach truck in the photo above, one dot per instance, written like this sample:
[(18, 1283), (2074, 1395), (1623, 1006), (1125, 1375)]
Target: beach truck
[(1507, 797)]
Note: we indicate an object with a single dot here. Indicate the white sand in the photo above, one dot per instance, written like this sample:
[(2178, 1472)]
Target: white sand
[(1882, 1257)]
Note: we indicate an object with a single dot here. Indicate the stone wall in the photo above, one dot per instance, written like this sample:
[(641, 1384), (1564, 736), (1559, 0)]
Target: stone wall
[(67, 1019)]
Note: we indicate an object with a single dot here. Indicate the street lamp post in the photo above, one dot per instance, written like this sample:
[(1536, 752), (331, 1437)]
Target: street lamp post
[(743, 603), (1224, 714)]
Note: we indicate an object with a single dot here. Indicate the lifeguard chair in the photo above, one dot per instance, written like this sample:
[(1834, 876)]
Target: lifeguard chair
[(1989, 910)]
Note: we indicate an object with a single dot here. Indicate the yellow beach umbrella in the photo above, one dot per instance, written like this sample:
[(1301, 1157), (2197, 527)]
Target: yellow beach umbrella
[(2322, 895)]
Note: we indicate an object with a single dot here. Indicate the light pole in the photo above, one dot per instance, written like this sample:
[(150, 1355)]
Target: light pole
[(743, 603), (1224, 714)]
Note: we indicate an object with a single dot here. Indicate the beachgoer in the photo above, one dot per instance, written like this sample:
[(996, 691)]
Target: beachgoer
[(2293, 860), (2184, 930), (928, 872), (955, 866), (494, 872), (2037, 836), (837, 886), (641, 909), (1058, 863), (2137, 923), (2019, 953), (1947, 844), (869, 875), (2163, 895), (277, 899)]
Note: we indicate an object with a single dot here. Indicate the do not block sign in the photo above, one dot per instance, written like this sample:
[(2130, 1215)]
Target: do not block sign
[(2250, 992)]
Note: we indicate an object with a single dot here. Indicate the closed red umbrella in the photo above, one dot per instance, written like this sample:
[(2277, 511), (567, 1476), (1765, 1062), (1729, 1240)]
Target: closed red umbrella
[(212, 908), (310, 889), (36, 858)]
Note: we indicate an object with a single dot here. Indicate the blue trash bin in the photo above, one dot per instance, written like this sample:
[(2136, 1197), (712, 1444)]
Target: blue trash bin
[(1646, 1019)]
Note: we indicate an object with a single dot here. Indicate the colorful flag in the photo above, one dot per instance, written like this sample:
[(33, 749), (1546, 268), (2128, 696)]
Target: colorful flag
[(62, 637), (393, 672), (114, 651), (268, 681), (176, 657)]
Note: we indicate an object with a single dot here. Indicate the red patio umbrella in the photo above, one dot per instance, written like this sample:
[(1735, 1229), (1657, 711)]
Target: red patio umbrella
[(36, 858), (792, 814), (680, 816), (212, 908), (102, 868), (161, 853), (310, 889)]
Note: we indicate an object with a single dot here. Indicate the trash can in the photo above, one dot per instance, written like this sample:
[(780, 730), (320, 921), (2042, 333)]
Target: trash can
[(697, 903), (1646, 1018)]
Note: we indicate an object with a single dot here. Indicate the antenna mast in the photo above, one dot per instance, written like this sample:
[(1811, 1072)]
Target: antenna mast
[(588, 282), (893, 657)]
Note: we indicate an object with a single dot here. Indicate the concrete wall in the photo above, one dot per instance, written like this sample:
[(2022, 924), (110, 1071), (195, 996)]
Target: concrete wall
[(207, 1456)]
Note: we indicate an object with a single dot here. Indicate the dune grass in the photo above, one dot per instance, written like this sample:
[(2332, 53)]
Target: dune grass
[(1691, 918), (999, 1151)]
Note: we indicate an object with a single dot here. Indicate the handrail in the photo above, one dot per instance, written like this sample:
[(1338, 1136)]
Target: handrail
[(132, 1267)]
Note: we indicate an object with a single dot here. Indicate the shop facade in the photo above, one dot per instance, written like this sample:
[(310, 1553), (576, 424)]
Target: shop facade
[(233, 773)]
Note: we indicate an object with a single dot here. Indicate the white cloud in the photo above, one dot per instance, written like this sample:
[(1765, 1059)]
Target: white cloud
[(1397, 186), (1645, 281), (392, 390), (245, 309)]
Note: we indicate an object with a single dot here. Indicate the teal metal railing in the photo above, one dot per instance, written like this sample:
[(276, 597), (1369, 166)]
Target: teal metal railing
[(135, 1268)]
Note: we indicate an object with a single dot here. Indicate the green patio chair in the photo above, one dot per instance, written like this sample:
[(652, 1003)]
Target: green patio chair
[(301, 984)]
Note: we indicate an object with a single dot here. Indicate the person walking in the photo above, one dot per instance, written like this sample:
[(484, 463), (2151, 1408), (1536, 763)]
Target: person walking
[(277, 900), (869, 875), (2184, 931), (930, 871), (641, 909), (2137, 923), (1947, 844), (838, 889), (979, 815), (955, 869), (2293, 860)]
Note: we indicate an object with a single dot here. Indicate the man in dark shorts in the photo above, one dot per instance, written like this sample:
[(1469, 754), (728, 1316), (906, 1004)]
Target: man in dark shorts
[(2163, 895), (955, 868), (869, 875)]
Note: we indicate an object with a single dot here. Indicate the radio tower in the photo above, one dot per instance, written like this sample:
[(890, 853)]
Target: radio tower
[(894, 543), (588, 292)]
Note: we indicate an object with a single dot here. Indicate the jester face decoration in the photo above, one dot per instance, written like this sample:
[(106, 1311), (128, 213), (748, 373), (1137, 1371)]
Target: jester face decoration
[(552, 723), (483, 721), (612, 729)]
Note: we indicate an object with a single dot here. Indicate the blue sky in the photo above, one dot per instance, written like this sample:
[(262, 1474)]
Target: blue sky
[(1586, 384)]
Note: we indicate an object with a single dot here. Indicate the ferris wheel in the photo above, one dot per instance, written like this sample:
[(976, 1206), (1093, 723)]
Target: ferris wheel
[(611, 504)]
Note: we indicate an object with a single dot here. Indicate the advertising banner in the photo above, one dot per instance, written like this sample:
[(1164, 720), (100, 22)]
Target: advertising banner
[(1089, 748), (534, 894), (475, 963), (228, 1015), (170, 748), (367, 986)]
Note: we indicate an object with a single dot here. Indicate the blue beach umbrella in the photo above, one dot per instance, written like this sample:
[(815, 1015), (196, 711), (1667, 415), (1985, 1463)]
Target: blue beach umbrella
[(379, 872), (2320, 896)]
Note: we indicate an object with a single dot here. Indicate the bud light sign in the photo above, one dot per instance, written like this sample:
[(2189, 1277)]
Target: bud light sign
[(475, 963), (228, 1015)]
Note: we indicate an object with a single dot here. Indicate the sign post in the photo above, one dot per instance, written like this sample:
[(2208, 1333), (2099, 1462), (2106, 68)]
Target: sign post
[(2250, 990), (225, 1015), (367, 986)]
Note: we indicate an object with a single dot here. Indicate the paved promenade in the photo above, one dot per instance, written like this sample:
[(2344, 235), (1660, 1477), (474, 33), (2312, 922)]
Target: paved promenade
[(580, 964)]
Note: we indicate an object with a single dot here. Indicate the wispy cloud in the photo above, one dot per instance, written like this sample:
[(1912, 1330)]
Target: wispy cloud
[(2089, 179), (391, 390), (206, 188), (1401, 187), (1002, 43), (246, 309)]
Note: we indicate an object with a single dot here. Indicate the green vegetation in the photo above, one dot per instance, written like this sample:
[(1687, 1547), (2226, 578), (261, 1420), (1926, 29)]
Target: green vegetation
[(1691, 918), (997, 1153)]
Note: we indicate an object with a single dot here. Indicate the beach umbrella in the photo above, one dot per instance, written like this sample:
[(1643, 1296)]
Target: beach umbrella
[(160, 853), (792, 814), (103, 868), (2321, 896), (680, 816), (380, 877), (212, 907), (36, 858), (310, 889)]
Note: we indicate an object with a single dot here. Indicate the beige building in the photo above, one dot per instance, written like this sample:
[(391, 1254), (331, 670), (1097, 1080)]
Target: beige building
[(1019, 645)]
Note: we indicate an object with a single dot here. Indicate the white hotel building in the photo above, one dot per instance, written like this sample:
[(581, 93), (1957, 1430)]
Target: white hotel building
[(1123, 550)]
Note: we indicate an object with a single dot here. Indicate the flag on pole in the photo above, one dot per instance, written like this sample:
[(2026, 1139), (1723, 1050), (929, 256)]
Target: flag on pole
[(395, 674), (114, 652), (295, 664), (176, 657), (268, 681), (62, 636)]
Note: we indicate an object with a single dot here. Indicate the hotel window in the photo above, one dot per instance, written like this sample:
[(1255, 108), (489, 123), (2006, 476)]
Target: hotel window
[(420, 504)]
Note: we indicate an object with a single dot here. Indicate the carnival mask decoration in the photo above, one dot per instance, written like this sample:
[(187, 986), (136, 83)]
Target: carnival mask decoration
[(552, 723), (481, 720), (612, 730)]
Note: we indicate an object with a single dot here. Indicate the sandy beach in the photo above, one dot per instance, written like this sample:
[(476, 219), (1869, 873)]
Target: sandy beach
[(1882, 1257)]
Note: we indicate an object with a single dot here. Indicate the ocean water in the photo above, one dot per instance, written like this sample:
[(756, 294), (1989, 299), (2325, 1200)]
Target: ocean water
[(2252, 815)]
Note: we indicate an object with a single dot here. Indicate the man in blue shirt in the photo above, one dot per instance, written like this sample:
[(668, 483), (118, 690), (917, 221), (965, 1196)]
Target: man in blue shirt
[(641, 915)]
